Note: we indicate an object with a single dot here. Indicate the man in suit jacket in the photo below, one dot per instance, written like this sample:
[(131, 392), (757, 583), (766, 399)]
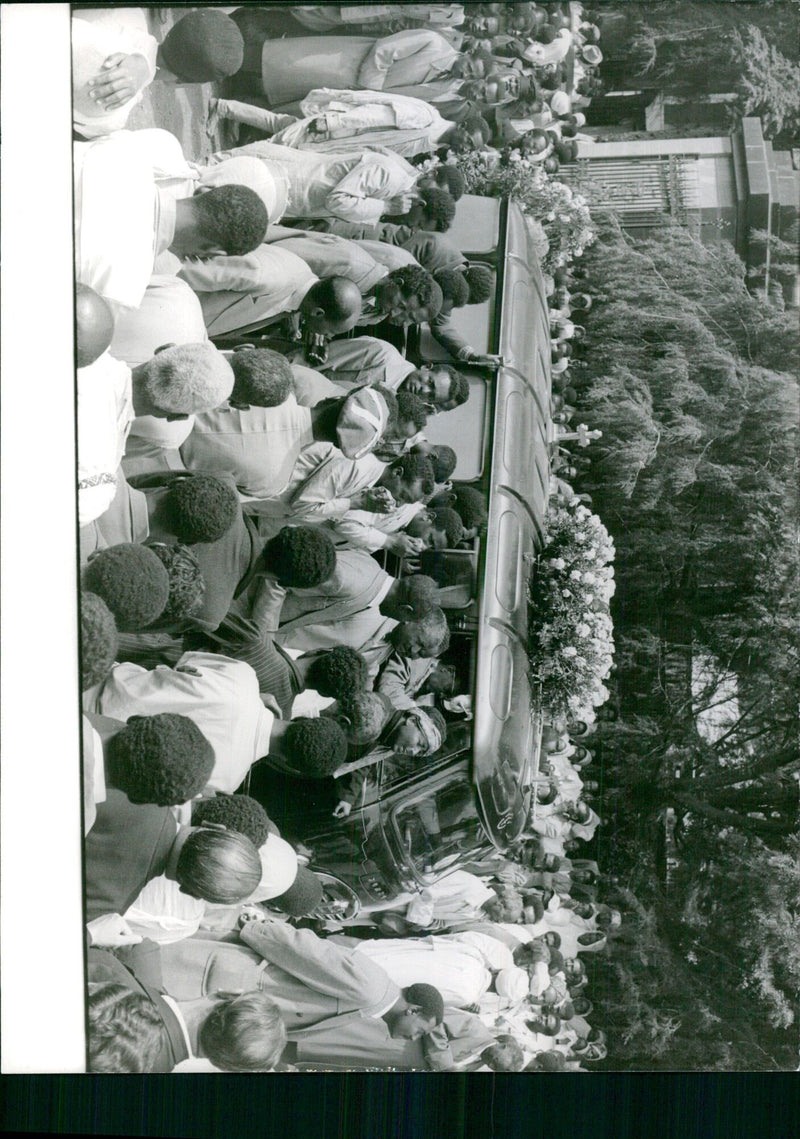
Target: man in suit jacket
[(330, 998)]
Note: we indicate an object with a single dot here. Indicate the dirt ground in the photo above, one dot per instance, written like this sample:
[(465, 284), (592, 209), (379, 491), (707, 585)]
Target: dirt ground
[(180, 110)]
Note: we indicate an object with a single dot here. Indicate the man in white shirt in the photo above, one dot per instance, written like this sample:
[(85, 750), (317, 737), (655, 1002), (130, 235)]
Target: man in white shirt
[(114, 58), (221, 696), (123, 222)]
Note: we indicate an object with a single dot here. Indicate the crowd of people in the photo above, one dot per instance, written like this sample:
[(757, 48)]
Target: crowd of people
[(251, 457)]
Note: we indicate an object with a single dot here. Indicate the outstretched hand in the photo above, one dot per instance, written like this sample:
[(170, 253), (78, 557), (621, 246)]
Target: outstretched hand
[(119, 79)]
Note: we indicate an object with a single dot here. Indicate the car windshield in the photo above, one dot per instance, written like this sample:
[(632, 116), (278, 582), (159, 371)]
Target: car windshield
[(438, 829)]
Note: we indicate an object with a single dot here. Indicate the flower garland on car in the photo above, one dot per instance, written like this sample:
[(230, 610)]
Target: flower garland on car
[(570, 640), (563, 214)]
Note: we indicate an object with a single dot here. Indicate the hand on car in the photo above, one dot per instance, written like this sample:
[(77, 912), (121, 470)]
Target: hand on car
[(342, 810), (119, 79)]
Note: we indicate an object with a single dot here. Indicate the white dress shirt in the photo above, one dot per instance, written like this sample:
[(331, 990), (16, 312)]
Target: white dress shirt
[(105, 414), (219, 694)]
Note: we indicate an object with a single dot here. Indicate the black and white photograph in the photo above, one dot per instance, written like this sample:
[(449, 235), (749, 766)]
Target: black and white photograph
[(433, 700)]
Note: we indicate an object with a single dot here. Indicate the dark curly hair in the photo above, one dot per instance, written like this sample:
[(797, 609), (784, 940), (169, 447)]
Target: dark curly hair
[(420, 592), (262, 378), (315, 746), (415, 466), (300, 556), (449, 521), (459, 384), (444, 461), (186, 585), (427, 999), (238, 813), (339, 673), (126, 1031), (470, 504), (454, 286), (233, 218), (411, 407), (415, 281), (200, 508), (455, 181), (479, 280), (99, 640), (163, 759), (440, 209), (132, 582)]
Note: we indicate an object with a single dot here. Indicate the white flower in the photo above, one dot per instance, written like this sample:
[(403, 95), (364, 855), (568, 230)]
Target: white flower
[(566, 593), (575, 575), (583, 630), (569, 651)]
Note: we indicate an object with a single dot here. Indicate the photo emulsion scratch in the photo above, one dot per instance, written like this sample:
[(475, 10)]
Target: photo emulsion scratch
[(437, 413)]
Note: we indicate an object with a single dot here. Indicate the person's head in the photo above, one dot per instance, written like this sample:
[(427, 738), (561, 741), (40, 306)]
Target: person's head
[(472, 65), (548, 1024), (226, 220), (444, 460), (201, 47), (573, 969), (410, 598), (496, 89), (163, 759), (505, 1055), (445, 177), (244, 1033), (421, 1009), (94, 325), (470, 505), (132, 582), (548, 793), (99, 640), (434, 211), (566, 150), (551, 165), (582, 1006), (440, 529), (552, 939), (409, 478), (180, 380), (533, 141), (186, 585), (552, 1061), (440, 386), (315, 746), (427, 637), (417, 733), (338, 674), (238, 813), (606, 919), (472, 133), (556, 962), (218, 866), (300, 556), (455, 290), (126, 1032), (331, 307), (550, 863), (408, 295), (443, 680), (480, 279), (412, 415), (262, 378)]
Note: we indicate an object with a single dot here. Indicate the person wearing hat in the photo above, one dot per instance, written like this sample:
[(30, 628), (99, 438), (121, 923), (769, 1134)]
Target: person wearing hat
[(114, 58)]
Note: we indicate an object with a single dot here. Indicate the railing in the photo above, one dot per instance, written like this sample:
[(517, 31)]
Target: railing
[(647, 192)]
